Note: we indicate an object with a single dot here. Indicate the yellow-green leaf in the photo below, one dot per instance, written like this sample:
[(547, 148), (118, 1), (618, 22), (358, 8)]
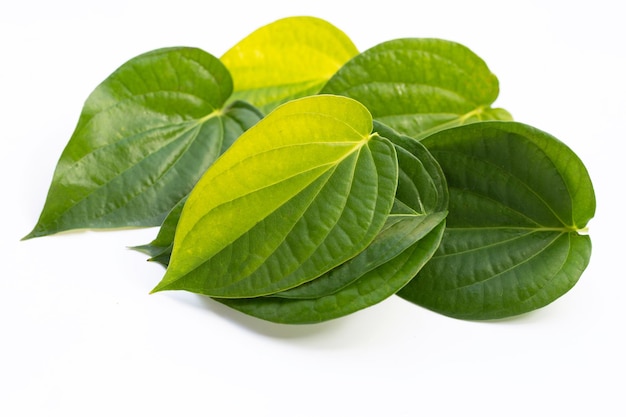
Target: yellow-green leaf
[(286, 59), (304, 190)]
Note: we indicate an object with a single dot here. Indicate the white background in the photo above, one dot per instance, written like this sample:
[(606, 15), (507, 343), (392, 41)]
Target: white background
[(80, 336)]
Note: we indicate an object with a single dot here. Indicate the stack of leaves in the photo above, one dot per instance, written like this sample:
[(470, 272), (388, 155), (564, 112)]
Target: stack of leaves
[(297, 180)]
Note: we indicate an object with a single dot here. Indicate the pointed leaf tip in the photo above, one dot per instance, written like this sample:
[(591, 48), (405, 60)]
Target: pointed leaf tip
[(144, 137), (322, 187)]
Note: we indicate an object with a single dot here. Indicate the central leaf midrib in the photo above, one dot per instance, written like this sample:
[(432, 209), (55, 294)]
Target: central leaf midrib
[(504, 173), (184, 126), (198, 265), (512, 267), (137, 97), (331, 165), (355, 146), (458, 119), (498, 243), (280, 243), (148, 185)]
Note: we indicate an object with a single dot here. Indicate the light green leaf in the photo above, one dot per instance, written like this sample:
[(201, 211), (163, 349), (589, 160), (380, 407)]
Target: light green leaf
[(306, 189), (421, 203), (410, 237), (418, 86), (519, 203), (421, 189), (144, 137), (286, 59)]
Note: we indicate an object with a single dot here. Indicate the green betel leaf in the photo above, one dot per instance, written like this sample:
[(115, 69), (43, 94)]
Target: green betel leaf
[(418, 86), (401, 231), (287, 59), (306, 189), (144, 138), (368, 289), (410, 237), (422, 187), (420, 204), (519, 200), (421, 190)]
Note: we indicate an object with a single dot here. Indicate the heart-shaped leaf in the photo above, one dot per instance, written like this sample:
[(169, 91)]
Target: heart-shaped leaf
[(421, 203), (519, 199), (408, 240), (306, 189), (286, 59), (418, 86), (144, 138)]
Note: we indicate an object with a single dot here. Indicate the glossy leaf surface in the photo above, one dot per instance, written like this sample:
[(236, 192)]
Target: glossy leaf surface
[(420, 204), (286, 59), (368, 289), (144, 138), (303, 191), (410, 237), (418, 86), (519, 199)]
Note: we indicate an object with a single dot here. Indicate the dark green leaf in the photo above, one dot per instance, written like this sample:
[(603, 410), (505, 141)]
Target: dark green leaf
[(519, 200)]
